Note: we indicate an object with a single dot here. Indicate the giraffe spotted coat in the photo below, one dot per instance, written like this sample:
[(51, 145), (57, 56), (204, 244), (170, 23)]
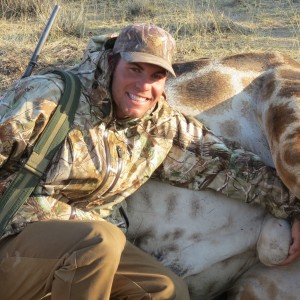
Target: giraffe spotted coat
[(103, 160)]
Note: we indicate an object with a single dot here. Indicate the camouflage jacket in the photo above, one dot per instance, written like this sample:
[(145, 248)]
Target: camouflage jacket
[(103, 160)]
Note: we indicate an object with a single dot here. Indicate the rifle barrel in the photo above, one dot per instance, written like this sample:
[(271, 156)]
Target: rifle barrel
[(33, 61)]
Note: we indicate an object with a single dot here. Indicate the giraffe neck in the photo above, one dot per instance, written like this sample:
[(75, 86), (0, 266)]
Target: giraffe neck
[(260, 90)]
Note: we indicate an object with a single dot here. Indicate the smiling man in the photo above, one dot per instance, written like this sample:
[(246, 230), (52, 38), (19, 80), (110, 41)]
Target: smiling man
[(58, 242), (136, 88), (142, 63)]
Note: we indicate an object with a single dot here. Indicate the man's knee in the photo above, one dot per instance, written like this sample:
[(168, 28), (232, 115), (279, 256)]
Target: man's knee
[(141, 274), (109, 238)]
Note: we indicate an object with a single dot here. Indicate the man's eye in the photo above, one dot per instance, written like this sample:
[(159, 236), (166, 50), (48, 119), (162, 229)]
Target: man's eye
[(159, 76), (136, 70)]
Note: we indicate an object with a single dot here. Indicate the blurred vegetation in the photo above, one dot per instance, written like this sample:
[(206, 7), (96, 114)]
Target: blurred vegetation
[(202, 28)]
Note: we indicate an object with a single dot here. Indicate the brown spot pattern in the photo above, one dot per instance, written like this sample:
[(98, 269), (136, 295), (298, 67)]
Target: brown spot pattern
[(230, 128), (291, 62), (202, 92), (174, 235), (147, 197), (196, 237), (195, 208), (290, 88), (292, 153), (191, 66), (144, 237), (268, 86), (290, 74), (278, 119), (171, 203), (257, 62), (287, 177)]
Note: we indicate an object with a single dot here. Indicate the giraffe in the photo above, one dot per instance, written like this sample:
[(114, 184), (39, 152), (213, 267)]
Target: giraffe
[(214, 243), (266, 86)]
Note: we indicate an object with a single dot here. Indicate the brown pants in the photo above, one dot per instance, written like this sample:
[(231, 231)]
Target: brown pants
[(81, 260)]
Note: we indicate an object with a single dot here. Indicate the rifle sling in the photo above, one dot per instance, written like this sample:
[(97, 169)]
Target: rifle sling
[(44, 149)]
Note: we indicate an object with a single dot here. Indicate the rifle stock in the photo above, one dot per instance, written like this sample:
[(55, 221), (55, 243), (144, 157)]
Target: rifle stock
[(33, 60)]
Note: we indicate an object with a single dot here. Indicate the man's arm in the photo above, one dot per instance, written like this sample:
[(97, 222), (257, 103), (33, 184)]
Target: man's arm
[(201, 160), (24, 112)]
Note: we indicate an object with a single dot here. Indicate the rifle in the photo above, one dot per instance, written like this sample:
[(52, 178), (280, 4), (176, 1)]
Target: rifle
[(33, 61)]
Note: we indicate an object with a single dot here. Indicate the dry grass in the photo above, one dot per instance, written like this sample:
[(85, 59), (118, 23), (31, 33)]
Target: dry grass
[(207, 28)]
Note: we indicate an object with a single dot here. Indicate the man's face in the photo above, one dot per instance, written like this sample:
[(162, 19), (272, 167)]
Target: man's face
[(136, 88)]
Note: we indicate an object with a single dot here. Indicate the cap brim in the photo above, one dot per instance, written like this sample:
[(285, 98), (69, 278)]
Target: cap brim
[(147, 58)]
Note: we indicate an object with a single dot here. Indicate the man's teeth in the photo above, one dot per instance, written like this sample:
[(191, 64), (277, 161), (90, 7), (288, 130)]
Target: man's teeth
[(137, 98)]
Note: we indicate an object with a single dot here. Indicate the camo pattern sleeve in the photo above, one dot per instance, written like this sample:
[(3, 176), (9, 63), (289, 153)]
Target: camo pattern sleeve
[(24, 113), (201, 160)]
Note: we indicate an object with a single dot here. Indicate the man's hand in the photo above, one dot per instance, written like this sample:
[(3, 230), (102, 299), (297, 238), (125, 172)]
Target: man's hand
[(294, 251)]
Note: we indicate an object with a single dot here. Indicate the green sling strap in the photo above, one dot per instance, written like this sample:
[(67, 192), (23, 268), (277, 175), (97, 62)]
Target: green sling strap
[(44, 149)]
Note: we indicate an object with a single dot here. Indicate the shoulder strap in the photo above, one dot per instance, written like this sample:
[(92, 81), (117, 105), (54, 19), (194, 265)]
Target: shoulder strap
[(44, 149)]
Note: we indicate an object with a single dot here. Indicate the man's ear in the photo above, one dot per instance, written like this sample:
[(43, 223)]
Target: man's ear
[(109, 44), (110, 59)]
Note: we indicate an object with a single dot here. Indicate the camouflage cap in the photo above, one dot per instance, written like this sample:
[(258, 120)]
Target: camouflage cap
[(146, 43)]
